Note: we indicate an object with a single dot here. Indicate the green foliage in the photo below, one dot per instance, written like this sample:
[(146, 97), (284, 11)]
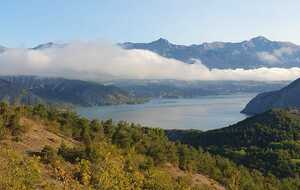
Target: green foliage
[(71, 154), (260, 131), (124, 156), (268, 142), (158, 180), (2, 128), (85, 173), (48, 154), (10, 120), (17, 172), (105, 161)]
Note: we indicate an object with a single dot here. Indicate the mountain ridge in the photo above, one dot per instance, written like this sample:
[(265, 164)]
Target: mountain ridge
[(33, 89), (248, 54), (287, 97), (254, 53)]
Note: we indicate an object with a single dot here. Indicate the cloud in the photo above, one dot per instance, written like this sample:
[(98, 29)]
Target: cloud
[(103, 61), (283, 51), (268, 57), (275, 56)]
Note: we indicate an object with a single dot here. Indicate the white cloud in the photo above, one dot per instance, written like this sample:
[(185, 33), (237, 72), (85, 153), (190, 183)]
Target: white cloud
[(268, 57), (103, 61), (275, 56), (283, 51)]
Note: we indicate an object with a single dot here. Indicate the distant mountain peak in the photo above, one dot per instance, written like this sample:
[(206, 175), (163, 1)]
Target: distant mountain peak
[(161, 41), (49, 45), (259, 39)]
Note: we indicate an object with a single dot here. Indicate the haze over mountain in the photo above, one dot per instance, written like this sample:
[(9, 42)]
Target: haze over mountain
[(254, 53)]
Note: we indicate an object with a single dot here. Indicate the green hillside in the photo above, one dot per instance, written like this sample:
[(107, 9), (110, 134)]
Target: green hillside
[(46, 148), (268, 142)]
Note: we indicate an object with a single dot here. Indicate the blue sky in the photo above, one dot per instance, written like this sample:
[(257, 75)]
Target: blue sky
[(30, 22)]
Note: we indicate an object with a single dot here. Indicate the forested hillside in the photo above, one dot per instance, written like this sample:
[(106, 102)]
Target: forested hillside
[(287, 97), (33, 90), (46, 148), (268, 142)]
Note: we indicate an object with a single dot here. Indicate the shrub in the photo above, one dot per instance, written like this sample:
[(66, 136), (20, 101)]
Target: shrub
[(17, 172), (48, 154)]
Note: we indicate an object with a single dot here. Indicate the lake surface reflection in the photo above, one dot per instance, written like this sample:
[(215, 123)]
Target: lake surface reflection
[(203, 113)]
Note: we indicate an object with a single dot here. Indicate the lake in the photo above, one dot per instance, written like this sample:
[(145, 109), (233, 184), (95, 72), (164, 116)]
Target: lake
[(203, 113)]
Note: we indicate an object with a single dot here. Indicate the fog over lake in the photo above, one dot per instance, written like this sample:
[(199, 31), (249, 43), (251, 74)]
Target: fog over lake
[(203, 113)]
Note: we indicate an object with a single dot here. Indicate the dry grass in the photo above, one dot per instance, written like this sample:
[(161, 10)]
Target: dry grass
[(36, 137), (197, 179)]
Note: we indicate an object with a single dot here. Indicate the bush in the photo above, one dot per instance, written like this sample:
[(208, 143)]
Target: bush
[(48, 154), (17, 172)]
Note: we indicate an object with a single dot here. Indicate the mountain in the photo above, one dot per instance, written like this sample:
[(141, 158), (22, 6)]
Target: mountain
[(192, 89), (268, 142), (12, 92), (31, 89), (44, 147), (254, 53), (260, 130), (48, 148), (284, 98), (48, 45)]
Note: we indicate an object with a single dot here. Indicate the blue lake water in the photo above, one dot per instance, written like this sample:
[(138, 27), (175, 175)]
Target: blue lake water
[(203, 113)]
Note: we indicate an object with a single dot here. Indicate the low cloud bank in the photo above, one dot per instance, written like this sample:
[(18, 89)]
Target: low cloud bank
[(104, 61)]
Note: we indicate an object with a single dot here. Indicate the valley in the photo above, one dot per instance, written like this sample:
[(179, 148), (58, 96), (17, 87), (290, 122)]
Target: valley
[(150, 95), (62, 150), (182, 113)]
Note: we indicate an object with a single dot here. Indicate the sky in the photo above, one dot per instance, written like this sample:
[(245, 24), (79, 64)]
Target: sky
[(31, 22), (92, 29)]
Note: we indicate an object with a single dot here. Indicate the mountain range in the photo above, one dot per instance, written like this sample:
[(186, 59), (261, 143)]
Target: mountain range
[(193, 89), (32, 89), (254, 53)]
